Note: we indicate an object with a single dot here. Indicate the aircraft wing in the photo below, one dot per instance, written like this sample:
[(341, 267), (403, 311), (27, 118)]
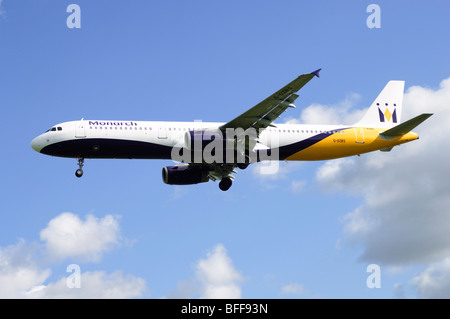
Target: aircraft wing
[(264, 113)]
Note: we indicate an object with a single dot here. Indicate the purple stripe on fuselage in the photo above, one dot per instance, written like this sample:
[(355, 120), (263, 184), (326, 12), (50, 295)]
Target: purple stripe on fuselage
[(117, 148), (288, 150)]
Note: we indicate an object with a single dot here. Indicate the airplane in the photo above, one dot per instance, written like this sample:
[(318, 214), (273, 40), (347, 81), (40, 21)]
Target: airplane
[(213, 150)]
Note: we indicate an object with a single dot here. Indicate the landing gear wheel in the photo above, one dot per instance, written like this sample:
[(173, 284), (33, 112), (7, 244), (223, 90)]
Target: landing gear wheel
[(242, 165), (79, 171), (225, 183)]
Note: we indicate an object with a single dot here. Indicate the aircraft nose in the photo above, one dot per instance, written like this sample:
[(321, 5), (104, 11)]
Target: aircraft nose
[(36, 144)]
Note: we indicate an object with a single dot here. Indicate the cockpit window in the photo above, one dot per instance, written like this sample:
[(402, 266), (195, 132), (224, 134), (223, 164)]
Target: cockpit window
[(54, 129)]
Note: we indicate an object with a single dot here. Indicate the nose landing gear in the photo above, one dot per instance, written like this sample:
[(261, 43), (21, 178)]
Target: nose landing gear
[(79, 171)]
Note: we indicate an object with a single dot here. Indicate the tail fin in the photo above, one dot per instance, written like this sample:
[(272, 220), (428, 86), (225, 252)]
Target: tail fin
[(386, 110)]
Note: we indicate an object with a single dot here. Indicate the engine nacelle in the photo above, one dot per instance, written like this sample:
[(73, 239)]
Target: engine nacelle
[(184, 174)]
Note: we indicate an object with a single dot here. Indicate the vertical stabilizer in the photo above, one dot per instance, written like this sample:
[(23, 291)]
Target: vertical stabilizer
[(386, 110)]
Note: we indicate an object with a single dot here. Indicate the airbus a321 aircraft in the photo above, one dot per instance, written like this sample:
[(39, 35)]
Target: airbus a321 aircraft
[(212, 151)]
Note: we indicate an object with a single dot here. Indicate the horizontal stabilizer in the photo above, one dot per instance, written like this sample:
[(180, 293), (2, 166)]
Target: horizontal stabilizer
[(405, 127)]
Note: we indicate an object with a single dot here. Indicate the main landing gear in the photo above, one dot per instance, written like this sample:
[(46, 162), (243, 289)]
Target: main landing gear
[(225, 183), (79, 171)]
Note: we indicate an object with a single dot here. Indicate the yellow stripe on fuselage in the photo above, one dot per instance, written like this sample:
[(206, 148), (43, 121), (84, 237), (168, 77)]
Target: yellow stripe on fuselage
[(350, 142)]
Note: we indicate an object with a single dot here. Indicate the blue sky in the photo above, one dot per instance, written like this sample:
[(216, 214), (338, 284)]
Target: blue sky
[(308, 232)]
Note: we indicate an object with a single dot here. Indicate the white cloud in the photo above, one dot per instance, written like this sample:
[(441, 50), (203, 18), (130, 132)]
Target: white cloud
[(94, 284), (185, 289), (434, 281), (404, 218), (340, 113), (294, 289), (68, 236), (19, 270), (215, 278), (218, 277), (329, 174), (25, 274)]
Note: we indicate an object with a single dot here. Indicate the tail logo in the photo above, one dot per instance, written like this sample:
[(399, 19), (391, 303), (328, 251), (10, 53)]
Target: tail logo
[(387, 115)]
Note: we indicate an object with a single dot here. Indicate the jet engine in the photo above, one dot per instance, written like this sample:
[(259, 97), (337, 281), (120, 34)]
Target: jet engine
[(184, 174)]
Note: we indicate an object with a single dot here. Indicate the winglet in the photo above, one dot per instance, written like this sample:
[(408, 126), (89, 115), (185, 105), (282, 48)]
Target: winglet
[(316, 72)]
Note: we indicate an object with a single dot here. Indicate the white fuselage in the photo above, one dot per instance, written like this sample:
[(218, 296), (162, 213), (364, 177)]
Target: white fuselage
[(155, 140)]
